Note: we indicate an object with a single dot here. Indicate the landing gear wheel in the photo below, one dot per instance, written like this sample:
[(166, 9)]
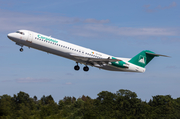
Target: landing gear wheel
[(21, 49), (76, 67), (86, 68)]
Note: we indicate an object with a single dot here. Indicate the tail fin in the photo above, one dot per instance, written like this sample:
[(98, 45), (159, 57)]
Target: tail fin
[(143, 58)]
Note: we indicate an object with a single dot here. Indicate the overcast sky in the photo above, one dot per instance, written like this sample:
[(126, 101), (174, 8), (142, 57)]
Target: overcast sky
[(120, 28)]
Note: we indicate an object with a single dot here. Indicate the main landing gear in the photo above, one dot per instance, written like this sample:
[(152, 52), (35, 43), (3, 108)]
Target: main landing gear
[(86, 68), (76, 67)]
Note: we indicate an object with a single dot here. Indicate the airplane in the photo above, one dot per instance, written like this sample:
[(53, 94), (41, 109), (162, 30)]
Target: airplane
[(80, 54)]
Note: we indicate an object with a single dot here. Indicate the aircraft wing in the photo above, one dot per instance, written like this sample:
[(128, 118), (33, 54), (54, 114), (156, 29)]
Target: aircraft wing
[(94, 61)]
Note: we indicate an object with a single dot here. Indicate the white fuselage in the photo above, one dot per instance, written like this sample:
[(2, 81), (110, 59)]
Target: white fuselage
[(68, 50)]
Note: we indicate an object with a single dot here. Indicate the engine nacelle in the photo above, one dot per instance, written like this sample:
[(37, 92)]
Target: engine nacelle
[(120, 64)]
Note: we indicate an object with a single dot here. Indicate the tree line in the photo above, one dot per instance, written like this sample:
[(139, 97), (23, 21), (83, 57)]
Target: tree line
[(123, 104)]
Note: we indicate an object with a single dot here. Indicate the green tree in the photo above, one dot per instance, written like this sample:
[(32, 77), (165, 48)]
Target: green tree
[(78, 103), (67, 100), (35, 99), (23, 105), (107, 103), (126, 93), (162, 106), (6, 105), (61, 104), (87, 108), (48, 107), (128, 105)]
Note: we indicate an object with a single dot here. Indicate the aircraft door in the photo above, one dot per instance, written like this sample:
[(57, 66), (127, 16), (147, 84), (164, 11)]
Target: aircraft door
[(30, 37)]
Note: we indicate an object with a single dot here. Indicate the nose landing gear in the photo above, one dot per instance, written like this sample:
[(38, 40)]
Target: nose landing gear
[(21, 49)]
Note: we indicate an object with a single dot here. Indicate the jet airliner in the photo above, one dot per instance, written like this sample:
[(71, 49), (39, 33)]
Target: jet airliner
[(80, 54)]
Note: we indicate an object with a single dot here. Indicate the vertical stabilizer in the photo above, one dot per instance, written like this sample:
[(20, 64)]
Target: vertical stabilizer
[(143, 58)]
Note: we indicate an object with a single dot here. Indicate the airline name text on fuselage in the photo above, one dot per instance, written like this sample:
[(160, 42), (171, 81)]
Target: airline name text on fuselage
[(47, 39)]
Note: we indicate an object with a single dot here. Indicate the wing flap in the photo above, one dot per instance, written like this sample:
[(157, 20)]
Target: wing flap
[(97, 60)]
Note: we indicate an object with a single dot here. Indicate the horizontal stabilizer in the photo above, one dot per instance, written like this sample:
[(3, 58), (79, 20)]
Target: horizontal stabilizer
[(156, 54)]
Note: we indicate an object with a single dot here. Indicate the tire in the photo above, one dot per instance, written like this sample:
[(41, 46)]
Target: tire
[(21, 49), (76, 67), (86, 68)]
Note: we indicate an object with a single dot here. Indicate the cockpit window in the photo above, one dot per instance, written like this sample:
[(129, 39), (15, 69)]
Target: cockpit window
[(20, 32)]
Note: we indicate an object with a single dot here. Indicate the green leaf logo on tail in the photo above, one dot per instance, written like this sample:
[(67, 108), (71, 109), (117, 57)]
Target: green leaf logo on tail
[(142, 59)]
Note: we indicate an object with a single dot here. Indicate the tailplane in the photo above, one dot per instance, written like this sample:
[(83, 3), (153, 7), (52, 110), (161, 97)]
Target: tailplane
[(144, 57)]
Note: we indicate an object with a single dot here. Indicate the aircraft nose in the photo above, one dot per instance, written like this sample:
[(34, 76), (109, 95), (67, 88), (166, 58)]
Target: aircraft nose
[(10, 35)]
